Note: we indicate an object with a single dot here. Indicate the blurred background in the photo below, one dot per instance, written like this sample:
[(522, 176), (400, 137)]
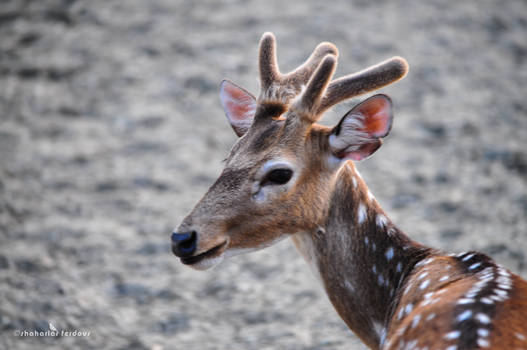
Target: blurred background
[(111, 130)]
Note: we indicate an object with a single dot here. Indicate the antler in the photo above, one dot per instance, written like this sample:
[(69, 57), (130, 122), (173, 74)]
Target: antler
[(312, 96), (369, 79), (282, 88), (320, 94)]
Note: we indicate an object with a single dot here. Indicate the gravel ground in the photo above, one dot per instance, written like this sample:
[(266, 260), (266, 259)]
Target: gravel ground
[(111, 129)]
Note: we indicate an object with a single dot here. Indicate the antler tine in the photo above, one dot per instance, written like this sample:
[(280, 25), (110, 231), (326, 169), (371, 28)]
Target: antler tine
[(276, 86), (269, 72), (310, 99), (367, 80), (300, 76)]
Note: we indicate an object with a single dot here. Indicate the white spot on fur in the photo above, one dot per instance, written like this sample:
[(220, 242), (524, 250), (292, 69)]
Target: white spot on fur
[(424, 284), (503, 294), (354, 181), (452, 335), (431, 316), (399, 267), (380, 280), (423, 275), (370, 195), (474, 266), (484, 343), (400, 314), (465, 315), (361, 213), (407, 289), (452, 347), (428, 261), (408, 308), (444, 278), (468, 257), (389, 253), (504, 286), (496, 298), (465, 301), (486, 300), (482, 332), (415, 321), (482, 318), (427, 301), (381, 220), (424, 262)]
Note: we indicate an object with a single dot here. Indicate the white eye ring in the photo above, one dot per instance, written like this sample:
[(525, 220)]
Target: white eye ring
[(270, 166), (259, 178)]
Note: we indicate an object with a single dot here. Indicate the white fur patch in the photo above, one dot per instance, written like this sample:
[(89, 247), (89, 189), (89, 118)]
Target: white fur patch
[(261, 193), (389, 253), (381, 220), (206, 264), (361, 213), (350, 137), (304, 244), (380, 330)]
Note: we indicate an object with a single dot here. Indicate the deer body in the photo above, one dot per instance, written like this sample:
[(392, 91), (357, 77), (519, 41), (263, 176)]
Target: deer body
[(290, 177), (391, 290)]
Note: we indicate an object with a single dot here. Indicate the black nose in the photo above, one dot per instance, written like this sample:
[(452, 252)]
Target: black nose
[(184, 244)]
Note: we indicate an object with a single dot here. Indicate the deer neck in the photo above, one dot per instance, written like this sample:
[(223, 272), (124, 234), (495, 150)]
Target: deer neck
[(360, 257)]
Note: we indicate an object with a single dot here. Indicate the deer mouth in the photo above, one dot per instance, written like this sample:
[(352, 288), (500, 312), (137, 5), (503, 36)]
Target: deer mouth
[(211, 253)]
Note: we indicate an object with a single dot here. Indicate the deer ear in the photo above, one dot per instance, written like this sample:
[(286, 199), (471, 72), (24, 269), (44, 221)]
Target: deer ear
[(358, 134), (239, 106)]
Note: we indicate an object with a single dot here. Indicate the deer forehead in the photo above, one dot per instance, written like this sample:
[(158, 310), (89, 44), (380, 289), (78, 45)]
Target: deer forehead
[(266, 142)]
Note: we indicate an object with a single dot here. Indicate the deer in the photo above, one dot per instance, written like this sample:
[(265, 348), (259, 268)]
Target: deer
[(289, 177)]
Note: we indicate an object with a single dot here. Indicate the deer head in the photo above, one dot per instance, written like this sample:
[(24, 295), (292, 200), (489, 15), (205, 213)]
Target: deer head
[(279, 174)]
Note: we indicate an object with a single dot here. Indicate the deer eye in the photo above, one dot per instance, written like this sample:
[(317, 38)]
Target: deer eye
[(277, 177)]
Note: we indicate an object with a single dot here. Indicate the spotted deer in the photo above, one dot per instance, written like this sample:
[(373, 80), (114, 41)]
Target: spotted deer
[(288, 176)]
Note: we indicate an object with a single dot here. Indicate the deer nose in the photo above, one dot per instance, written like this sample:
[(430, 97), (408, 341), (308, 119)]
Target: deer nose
[(184, 244)]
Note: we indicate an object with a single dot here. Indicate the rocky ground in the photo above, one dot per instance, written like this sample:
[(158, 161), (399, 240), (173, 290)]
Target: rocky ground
[(111, 130)]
